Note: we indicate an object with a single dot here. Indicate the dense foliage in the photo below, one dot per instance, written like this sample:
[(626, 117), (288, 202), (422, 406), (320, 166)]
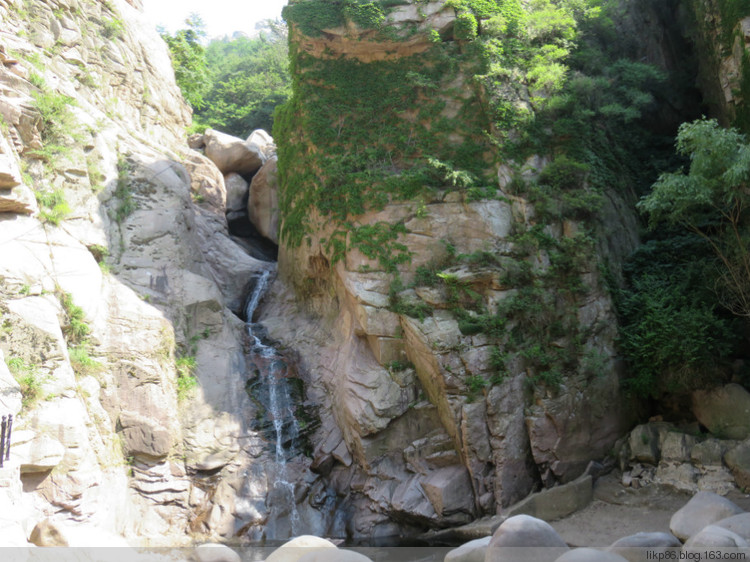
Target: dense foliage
[(250, 77), (543, 91), (550, 78), (189, 61), (677, 328), (673, 332), (233, 85), (712, 200)]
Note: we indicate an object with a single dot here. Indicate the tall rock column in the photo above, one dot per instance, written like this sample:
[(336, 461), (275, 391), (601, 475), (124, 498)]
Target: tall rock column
[(441, 339)]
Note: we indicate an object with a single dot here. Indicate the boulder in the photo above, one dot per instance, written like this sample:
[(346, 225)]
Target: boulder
[(677, 446), (196, 141), (232, 154), (215, 552), (206, 182), (449, 490), (715, 536), (47, 533), (298, 547), (724, 411), (634, 548), (521, 538), (738, 461), (644, 444), (472, 551), (263, 201), (237, 189), (739, 524), (327, 555), (708, 452), (558, 502), (703, 509), (263, 143), (590, 555)]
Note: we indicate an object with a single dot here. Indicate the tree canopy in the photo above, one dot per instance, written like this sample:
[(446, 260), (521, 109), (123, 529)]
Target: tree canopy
[(711, 200), (189, 61), (232, 84)]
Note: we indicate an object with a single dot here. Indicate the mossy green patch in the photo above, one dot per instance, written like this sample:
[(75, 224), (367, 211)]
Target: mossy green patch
[(356, 136)]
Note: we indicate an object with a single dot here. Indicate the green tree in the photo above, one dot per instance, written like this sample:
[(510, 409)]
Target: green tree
[(711, 200), (189, 61), (674, 335), (250, 78)]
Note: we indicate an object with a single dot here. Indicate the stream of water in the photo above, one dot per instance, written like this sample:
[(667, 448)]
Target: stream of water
[(276, 396)]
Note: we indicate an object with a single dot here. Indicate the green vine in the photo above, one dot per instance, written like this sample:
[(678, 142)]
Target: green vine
[(379, 137)]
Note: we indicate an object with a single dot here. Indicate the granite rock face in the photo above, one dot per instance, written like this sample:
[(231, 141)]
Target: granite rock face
[(123, 267), (411, 391)]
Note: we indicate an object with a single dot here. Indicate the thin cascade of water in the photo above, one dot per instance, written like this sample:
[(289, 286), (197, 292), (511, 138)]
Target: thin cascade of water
[(252, 302), (280, 407)]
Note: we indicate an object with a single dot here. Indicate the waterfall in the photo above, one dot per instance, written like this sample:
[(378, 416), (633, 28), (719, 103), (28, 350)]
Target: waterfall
[(280, 408)]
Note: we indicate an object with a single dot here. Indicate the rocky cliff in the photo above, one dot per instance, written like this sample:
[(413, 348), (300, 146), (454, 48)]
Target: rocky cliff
[(442, 271), (457, 333), (123, 359)]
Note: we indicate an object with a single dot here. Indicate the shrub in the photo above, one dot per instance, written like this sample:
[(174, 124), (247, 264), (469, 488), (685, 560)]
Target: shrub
[(54, 207), (398, 365), (474, 386), (126, 205), (671, 330), (465, 28), (113, 28), (28, 377), (564, 173), (76, 329), (57, 121), (712, 201), (186, 380), (82, 362)]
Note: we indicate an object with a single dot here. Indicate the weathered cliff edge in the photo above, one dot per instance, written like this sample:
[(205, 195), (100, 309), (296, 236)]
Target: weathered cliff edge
[(122, 272)]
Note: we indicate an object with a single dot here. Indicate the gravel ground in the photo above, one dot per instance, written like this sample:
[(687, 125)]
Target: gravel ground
[(617, 512)]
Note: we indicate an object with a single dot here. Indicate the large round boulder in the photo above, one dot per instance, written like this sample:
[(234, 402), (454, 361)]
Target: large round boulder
[(295, 549), (237, 189), (232, 154), (724, 411), (739, 524), (215, 552), (263, 201), (328, 555), (703, 509), (738, 460), (714, 536), (524, 538), (636, 548), (472, 551)]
